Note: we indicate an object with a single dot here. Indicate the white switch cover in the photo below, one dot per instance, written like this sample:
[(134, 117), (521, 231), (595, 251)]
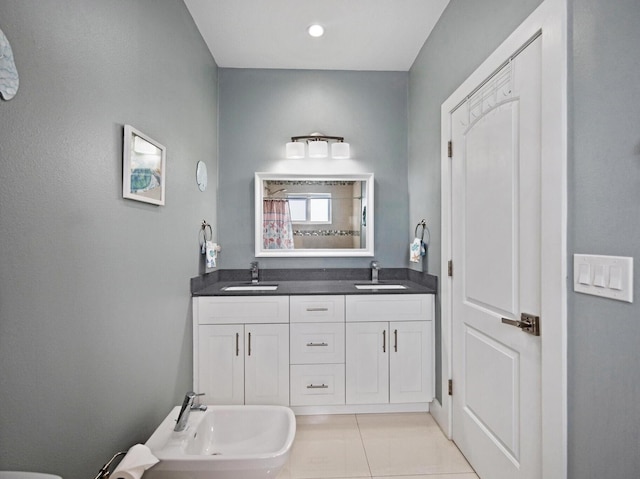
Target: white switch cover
[(612, 276)]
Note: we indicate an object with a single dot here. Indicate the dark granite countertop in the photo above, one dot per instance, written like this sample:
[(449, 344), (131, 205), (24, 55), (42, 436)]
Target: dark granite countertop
[(313, 281)]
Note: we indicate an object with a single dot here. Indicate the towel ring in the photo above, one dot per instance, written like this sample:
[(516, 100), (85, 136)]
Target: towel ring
[(423, 224), (202, 235)]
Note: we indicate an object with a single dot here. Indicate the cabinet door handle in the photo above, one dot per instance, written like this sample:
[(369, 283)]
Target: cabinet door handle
[(237, 344), (249, 344), (316, 386), (395, 340), (384, 340), (317, 309), (317, 344)]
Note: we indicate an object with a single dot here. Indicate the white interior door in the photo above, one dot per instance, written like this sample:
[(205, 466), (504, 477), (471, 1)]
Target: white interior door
[(496, 253)]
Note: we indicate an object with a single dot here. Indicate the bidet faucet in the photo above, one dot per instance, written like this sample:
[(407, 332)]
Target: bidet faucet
[(375, 267), (187, 406), (255, 272)]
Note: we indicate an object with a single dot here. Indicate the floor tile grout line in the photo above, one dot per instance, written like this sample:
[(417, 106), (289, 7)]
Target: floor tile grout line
[(366, 456)]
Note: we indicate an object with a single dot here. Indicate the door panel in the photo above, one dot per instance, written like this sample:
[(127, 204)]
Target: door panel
[(490, 239), (367, 363), (267, 364), (410, 345), (491, 401), (221, 360)]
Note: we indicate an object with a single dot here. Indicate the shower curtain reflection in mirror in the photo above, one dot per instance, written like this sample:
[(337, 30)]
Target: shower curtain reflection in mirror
[(277, 228)]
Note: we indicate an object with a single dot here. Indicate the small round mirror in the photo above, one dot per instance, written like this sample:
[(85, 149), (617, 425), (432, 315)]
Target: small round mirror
[(201, 175)]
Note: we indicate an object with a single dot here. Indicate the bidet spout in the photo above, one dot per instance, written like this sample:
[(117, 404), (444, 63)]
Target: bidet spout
[(187, 406)]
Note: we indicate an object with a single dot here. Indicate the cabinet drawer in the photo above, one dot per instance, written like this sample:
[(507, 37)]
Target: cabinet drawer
[(390, 307), (241, 309), (313, 343), (316, 385), (315, 309)]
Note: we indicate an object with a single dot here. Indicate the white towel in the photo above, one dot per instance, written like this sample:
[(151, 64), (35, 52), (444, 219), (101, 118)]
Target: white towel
[(138, 459), (415, 250)]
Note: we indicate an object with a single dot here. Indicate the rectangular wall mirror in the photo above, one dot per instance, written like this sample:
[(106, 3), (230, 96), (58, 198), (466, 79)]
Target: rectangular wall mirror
[(313, 215)]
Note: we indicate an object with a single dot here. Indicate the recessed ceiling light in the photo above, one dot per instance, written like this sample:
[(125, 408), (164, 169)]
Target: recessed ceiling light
[(316, 30)]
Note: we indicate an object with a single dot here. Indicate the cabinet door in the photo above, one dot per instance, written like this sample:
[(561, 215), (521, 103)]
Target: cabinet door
[(410, 362), (267, 364), (221, 364), (367, 363)]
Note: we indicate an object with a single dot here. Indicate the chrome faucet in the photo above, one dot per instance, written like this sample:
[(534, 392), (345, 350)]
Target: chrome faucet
[(187, 407), (375, 267), (255, 272)]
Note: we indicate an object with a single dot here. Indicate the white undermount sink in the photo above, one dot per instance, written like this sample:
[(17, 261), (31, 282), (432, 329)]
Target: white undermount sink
[(380, 286), (224, 442), (251, 287)]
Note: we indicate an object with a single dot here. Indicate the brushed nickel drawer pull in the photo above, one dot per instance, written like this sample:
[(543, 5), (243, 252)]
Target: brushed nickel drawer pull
[(316, 386), (317, 344), (317, 309)]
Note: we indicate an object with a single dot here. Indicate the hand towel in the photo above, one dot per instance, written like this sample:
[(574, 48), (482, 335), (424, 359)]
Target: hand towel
[(138, 459), (211, 252), (415, 250)]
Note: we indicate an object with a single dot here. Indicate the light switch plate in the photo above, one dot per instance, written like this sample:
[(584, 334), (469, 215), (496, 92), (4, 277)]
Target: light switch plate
[(605, 276)]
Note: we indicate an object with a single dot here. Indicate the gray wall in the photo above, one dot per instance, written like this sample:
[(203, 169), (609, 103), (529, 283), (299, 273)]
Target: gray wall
[(260, 110), (604, 173), (95, 332), (467, 33)]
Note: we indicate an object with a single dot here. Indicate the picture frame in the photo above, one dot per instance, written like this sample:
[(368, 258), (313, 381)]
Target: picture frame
[(143, 168)]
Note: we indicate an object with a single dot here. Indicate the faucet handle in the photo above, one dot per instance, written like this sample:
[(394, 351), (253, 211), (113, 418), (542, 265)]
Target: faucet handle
[(197, 407)]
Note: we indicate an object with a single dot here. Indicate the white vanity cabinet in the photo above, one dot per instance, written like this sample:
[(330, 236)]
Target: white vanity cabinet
[(389, 349), (241, 349), (319, 354), (317, 350)]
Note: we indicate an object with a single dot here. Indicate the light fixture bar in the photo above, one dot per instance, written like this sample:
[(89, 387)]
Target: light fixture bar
[(317, 137), (318, 146)]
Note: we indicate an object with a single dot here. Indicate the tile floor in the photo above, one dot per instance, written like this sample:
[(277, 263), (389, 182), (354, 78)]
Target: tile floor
[(402, 446)]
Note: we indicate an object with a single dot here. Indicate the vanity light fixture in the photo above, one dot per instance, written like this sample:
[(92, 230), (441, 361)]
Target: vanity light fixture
[(318, 147)]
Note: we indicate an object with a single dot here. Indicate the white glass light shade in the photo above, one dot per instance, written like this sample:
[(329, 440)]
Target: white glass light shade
[(340, 150), (295, 150), (315, 30), (318, 149)]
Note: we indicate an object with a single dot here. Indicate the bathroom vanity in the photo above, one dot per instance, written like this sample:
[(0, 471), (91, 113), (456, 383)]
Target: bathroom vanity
[(320, 346)]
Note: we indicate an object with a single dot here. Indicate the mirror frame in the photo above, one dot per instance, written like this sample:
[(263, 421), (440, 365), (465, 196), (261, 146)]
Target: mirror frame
[(313, 252)]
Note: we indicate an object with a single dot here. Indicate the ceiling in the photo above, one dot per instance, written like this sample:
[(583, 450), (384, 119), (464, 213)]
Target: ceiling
[(382, 35)]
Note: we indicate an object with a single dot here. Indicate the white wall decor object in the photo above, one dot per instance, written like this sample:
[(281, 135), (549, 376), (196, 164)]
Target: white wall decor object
[(201, 175), (9, 80)]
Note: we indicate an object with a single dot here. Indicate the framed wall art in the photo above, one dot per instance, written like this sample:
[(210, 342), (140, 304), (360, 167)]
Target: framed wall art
[(143, 168)]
